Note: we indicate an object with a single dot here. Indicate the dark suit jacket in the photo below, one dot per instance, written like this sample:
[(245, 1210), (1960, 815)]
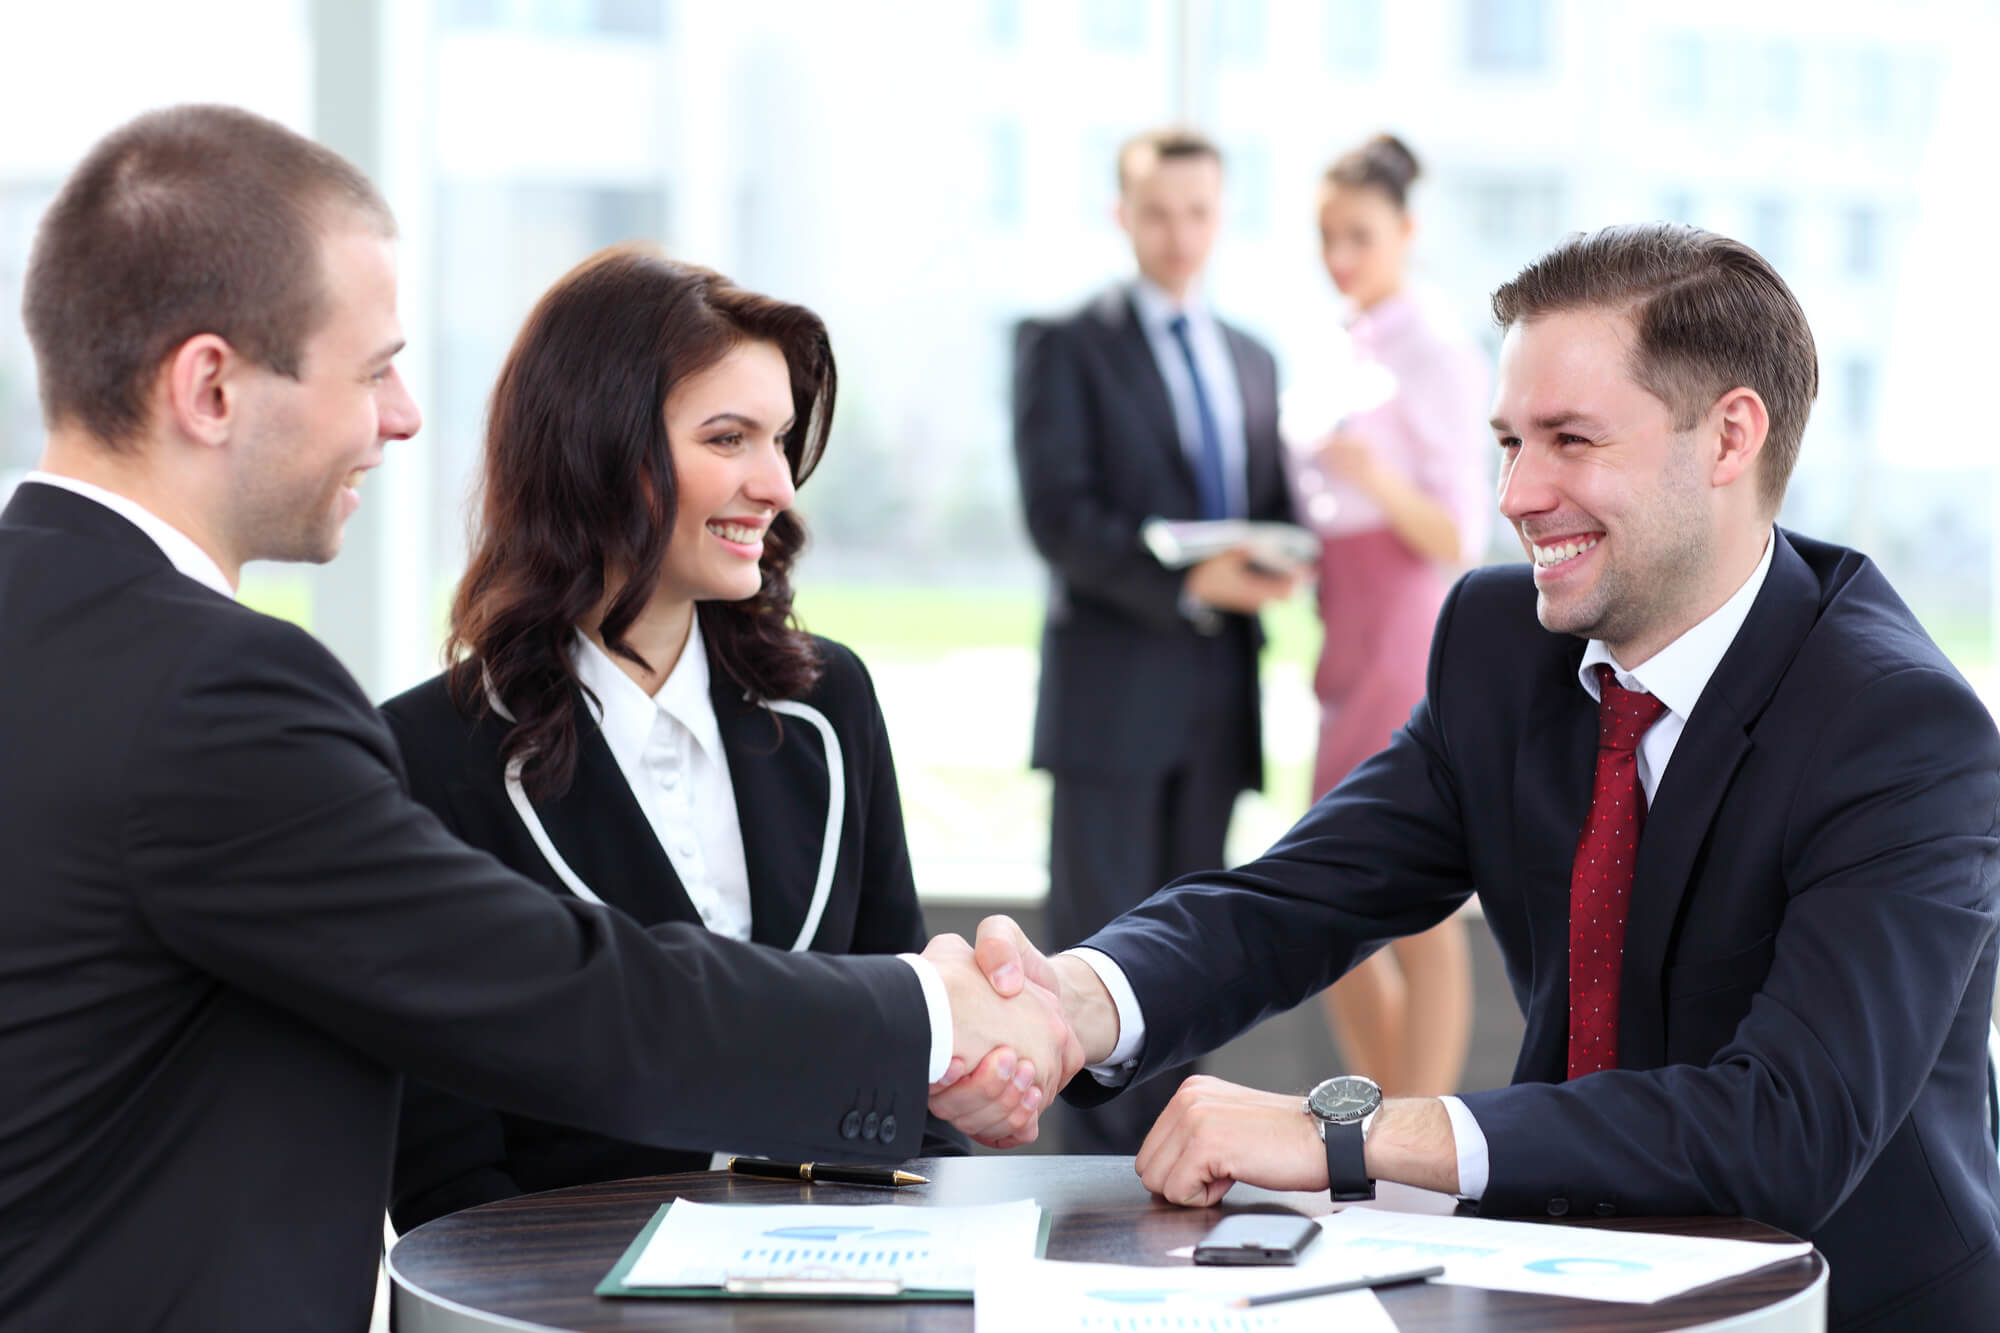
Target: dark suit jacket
[(224, 926), (1809, 964), (1099, 454), (452, 1153)]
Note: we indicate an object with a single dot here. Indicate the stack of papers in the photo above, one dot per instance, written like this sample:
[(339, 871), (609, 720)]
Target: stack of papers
[(822, 1250), (1277, 547)]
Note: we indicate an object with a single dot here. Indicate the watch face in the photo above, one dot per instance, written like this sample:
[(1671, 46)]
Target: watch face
[(1346, 1099)]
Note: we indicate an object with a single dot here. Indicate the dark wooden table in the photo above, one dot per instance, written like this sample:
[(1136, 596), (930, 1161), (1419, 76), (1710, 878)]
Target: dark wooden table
[(532, 1262)]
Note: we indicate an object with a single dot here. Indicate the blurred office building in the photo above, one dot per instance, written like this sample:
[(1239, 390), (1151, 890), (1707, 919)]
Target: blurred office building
[(924, 174)]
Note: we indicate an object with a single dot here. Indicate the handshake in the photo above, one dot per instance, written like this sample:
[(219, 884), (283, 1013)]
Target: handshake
[(1022, 1025)]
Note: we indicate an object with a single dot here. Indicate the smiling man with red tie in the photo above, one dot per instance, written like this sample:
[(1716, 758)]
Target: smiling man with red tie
[(1729, 811)]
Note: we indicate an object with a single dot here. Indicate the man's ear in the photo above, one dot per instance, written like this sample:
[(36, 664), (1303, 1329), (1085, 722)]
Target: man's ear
[(199, 388), (1739, 422)]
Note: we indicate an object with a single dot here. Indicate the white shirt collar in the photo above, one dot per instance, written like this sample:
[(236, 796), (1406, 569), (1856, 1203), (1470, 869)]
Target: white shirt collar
[(626, 713), (1157, 309), (1679, 672), (177, 546)]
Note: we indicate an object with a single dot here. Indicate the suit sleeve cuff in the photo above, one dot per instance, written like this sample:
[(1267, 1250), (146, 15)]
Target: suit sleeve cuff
[(1116, 1071), (1471, 1142), (938, 1005)]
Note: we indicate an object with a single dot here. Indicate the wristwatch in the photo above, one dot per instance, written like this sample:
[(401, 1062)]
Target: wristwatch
[(1343, 1106)]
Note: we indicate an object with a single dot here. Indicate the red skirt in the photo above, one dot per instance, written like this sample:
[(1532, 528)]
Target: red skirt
[(1378, 601)]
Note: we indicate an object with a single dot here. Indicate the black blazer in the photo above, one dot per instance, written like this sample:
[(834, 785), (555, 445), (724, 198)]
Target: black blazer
[(1809, 963), (452, 1153), (224, 927), (1099, 454)]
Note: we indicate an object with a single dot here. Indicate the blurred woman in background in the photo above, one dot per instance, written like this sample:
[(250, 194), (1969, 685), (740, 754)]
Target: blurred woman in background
[(629, 715), (1408, 477)]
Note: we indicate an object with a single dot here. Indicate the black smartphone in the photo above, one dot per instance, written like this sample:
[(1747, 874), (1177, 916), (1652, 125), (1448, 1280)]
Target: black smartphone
[(1257, 1238)]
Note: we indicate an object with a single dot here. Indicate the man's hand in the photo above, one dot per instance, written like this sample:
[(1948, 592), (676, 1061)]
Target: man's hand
[(1010, 1054), (1010, 960), (1229, 582), (1213, 1134)]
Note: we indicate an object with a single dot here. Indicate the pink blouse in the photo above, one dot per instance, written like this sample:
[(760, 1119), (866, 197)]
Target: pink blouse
[(1433, 429)]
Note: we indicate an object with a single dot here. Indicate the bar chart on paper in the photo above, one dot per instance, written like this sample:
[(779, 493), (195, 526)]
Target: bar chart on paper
[(935, 1249)]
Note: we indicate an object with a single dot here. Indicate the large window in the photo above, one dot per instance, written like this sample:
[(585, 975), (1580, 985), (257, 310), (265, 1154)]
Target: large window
[(1354, 36), (926, 174), (1506, 36)]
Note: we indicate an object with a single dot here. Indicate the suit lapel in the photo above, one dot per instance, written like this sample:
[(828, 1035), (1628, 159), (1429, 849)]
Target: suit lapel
[(779, 775), (1262, 478), (599, 829), (1553, 775), (1135, 371), (1711, 748)]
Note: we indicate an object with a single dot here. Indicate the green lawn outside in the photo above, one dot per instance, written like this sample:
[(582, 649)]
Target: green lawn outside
[(925, 622)]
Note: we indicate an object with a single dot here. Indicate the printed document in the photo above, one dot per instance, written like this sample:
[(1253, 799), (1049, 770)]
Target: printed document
[(1051, 1296), (1587, 1263), (934, 1249)]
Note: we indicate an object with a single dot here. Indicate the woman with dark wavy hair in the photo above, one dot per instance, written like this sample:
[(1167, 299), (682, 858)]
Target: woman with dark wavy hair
[(629, 714)]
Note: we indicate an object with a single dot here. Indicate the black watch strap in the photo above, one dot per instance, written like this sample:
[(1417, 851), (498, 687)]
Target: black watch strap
[(1346, 1163)]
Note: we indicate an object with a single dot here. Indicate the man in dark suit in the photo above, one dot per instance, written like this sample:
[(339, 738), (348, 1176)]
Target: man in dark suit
[(1758, 981), (1143, 406), (225, 927)]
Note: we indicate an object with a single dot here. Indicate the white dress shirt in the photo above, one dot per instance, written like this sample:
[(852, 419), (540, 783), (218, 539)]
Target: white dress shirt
[(1156, 311), (1678, 673), (176, 545)]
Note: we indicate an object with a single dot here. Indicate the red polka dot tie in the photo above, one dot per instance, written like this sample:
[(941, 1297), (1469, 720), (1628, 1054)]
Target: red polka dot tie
[(1600, 882)]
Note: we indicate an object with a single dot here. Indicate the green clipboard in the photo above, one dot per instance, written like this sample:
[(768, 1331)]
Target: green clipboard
[(615, 1285)]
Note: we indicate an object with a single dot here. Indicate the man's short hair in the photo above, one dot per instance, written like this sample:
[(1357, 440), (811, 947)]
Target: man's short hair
[(188, 220), (1708, 315), (1163, 145)]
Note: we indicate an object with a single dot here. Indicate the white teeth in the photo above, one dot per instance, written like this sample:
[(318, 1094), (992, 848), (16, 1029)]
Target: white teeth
[(1561, 551), (737, 532)]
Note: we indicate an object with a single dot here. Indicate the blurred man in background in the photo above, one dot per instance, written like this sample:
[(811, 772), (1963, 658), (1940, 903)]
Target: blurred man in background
[(1140, 406)]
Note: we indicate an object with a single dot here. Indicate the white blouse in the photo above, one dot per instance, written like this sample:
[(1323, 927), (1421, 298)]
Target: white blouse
[(669, 748)]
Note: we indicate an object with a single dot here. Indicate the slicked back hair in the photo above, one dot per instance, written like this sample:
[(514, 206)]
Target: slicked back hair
[(1708, 315), (1168, 144), (188, 220)]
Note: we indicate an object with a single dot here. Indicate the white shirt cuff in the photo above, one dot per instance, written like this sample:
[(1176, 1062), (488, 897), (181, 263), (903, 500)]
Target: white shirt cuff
[(1116, 1070), (1471, 1142), (938, 1005)]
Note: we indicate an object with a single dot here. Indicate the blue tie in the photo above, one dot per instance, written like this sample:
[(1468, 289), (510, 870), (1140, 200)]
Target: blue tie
[(1208, 482)]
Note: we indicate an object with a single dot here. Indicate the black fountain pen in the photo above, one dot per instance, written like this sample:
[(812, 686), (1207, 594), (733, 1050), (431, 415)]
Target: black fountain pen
[(825, 1173)]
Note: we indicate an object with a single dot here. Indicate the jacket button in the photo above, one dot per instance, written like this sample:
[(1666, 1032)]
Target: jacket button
[(1558, 1207), (850, 1125), (888, 1129), (871, 1126), (1606, 1210)]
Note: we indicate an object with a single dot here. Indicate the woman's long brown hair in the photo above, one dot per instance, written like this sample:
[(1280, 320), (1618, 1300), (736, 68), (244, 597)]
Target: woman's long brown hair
[(578, 480)]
